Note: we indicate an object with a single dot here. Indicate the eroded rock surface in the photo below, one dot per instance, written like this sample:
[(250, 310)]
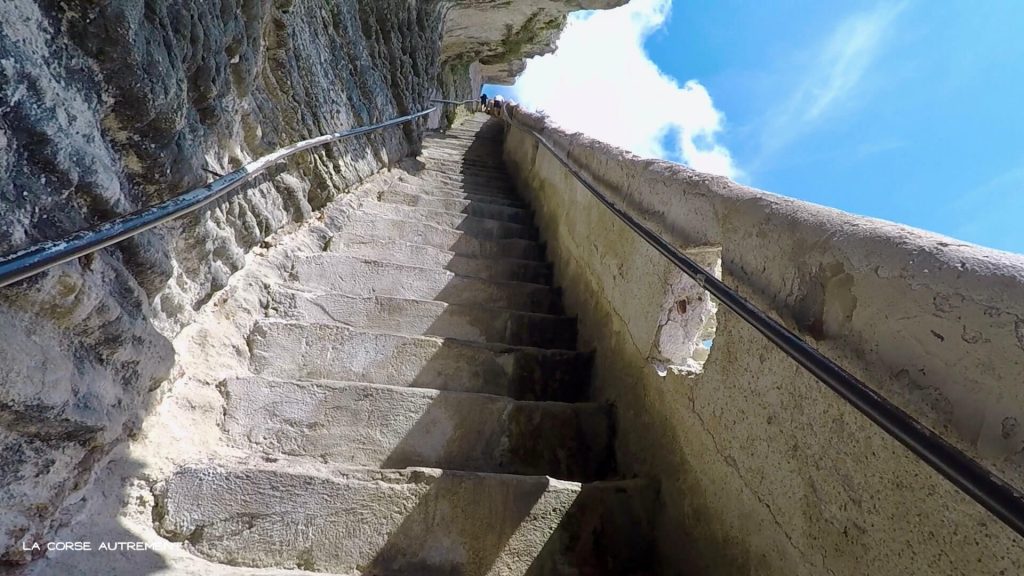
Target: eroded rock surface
[(108, 107), (489, 41)]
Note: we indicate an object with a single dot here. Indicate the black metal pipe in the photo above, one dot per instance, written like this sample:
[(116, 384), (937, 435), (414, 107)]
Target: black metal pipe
[(985, 487), (34, 259)]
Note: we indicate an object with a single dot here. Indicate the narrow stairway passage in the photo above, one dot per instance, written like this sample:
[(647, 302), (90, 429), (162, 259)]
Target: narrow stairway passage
[(415, 403)]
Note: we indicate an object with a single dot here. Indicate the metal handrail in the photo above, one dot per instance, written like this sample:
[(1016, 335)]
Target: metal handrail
[(36, 258), (985, 487)]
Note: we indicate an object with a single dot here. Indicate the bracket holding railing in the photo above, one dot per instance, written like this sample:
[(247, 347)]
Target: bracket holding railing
[(985, 487), (36, 258)]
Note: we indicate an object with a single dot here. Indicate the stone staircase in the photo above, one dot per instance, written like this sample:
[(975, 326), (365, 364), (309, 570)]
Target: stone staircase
[(416, 403)]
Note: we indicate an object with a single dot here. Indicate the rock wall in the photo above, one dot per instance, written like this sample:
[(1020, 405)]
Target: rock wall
[(106, 107), (500, 35), (489, 41), (762, 469)]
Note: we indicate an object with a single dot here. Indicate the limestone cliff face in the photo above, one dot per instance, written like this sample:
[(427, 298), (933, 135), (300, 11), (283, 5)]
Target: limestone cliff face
[(491, 39), (106, 107)]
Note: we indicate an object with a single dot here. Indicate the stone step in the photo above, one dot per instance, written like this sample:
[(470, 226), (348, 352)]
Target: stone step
[(501, 270), (470, 128), (447, 218), (459, 223), (428, 318), (482, 228), (463, 165), (499, 185), (455, 205), (471, 138), (489, 152), (438, 192), (469, 247), (458, 148), (408, 522), (479, 139), (457, 168), (392, 427), (363, 277), (431, 185), (471, 125), (463, 173), (442, 238), (306, 351), (483, 155), (487, 161), (478, 134)]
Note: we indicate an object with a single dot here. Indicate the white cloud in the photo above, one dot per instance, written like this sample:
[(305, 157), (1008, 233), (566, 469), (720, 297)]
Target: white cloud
[(832, 81), (601, 82)]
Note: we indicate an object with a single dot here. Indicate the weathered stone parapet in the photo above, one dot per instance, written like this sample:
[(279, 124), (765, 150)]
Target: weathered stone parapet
[(763, 469)]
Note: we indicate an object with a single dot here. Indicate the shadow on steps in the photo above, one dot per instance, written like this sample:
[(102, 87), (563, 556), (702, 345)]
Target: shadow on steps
[(345, 407)]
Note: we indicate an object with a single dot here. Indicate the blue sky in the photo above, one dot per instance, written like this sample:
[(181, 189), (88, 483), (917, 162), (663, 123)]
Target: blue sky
[(909, 111)]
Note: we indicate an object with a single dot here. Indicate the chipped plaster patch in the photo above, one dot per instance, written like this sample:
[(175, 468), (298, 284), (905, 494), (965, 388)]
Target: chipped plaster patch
[(687, 323)]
